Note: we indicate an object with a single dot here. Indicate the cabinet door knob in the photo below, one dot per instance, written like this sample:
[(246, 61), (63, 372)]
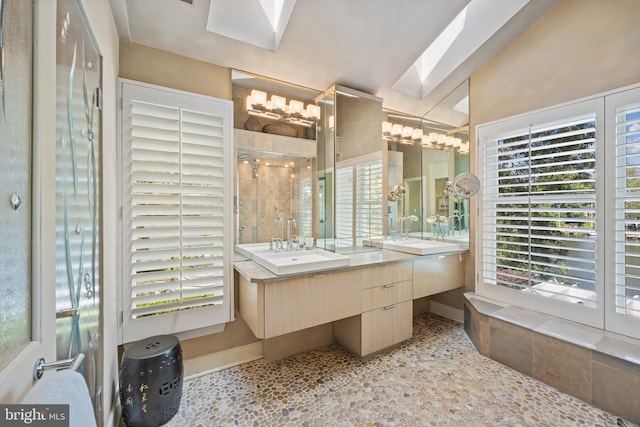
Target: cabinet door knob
[(389, 285), (389, 307)]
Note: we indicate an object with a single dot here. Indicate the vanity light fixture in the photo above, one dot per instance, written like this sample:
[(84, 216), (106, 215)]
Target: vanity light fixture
[(445, 142), (408, 135), (276, 108), (400, 133)]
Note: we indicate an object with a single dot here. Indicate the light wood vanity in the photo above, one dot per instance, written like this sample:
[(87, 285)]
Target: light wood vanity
[(370, 303)]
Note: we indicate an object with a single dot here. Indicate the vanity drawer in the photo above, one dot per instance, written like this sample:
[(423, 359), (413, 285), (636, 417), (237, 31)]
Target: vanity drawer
[(434, 275), (386, 326), (391, 293), (303, 302), (387, 273)]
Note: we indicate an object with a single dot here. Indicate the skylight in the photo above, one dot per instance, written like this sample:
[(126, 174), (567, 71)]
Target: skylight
[(273, 10), (462, 37), (257, 22), (434, 53)]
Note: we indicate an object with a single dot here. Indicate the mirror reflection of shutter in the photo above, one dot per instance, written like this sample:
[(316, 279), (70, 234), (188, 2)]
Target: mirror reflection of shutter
[(344, 203), (369, 191)]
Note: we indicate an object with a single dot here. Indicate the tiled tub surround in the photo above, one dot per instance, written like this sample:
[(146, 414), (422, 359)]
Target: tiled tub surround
[(595, 366), (436, 378)]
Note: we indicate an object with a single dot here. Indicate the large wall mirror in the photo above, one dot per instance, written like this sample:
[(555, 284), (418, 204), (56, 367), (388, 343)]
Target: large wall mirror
[(423, 157), (275, 139), (351, 169), (352, 174)]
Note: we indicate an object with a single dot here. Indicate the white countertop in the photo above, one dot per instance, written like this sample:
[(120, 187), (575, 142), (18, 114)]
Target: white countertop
[(256, 273)]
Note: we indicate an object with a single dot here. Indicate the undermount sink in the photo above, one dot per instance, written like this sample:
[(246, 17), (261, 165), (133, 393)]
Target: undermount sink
[(420, 247), (292, 262)]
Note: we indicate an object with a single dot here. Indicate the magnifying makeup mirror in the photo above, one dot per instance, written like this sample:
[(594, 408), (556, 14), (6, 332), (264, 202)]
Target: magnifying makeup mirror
[(465, 185)]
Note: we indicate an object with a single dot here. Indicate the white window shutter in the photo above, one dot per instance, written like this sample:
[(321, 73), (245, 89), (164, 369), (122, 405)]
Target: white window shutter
[(623, 127), (176, 188)]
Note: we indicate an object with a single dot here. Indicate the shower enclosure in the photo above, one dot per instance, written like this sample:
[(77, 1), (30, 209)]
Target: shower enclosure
[(271, 186)]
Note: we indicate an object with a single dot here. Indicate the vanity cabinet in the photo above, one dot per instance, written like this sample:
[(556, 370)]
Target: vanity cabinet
[(387, 311), (433, 275), (370, 307), (276, 308)]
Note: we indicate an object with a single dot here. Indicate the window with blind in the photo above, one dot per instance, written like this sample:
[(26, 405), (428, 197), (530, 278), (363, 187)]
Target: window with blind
[(358, 199), (626, 125), (540, 210), (559, 211), (369, 199), (176, 245), (344, 205)]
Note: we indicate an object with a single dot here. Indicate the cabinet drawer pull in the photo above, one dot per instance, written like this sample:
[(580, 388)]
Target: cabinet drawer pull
[(389, 307), (389, 285)]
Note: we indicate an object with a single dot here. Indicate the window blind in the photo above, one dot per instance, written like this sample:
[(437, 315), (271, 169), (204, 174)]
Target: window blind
[(176, 198), (539, 206), (305, 228), (369, 199), (627, 210), (175, 193), (344, 203)]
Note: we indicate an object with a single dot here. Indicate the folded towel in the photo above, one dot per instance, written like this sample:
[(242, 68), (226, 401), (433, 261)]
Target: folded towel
[(65, 387)]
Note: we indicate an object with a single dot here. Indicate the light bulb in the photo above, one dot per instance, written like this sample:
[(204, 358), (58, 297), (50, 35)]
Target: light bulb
[(296, 107), (313, 112), (278, 103), (386, 128), (258, 97)]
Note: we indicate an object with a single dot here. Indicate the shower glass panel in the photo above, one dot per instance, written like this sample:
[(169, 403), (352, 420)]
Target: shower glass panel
[(78, 195), (271, 186), (15, 177)]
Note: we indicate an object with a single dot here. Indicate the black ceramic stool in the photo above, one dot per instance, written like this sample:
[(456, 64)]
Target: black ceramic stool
[(151, 381)]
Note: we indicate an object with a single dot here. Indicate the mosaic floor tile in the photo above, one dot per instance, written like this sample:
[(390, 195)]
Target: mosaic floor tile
[(434, 379)]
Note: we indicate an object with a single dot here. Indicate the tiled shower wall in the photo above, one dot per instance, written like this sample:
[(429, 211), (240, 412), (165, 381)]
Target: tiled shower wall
[(268, 193)]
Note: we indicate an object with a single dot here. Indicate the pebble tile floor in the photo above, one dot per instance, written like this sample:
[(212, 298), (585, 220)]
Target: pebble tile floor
[(434, 379)]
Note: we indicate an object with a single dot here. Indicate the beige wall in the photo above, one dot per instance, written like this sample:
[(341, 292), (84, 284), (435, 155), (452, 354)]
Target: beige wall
[(158, 67), (358, 125), (166, 69), (579, 48)]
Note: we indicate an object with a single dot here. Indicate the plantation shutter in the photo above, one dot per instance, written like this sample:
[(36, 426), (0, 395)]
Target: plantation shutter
[(175, 189), (369, 199), (344, 203), (305, 228), (627, 209), (539, 210)]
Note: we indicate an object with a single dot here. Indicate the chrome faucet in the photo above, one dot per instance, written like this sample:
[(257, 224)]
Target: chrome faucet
[(411, 219), (290, 221), (240, 231), (455, 224), (401, 220), (386, 228), (279, 242)]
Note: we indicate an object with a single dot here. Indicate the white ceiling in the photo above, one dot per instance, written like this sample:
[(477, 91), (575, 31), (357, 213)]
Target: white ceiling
[(364, 44)]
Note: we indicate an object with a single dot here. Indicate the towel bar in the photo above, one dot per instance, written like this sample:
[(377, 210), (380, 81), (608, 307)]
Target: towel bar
[(72, 364)]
